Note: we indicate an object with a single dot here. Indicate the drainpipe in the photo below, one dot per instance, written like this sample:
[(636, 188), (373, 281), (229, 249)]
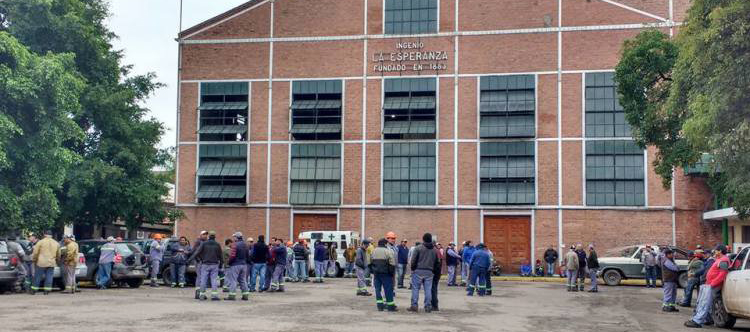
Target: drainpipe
[(725, 231)]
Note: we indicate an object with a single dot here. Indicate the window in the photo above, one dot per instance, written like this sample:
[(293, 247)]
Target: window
[(614, 174), (410, 17), (409, 108), (604, 115), (409, 174), (507, 173), (316, 110), (316, 174), (223, 111), (506, 106), (221, 173)]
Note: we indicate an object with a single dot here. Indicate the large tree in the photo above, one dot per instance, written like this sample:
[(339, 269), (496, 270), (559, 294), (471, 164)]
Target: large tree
[(37, 96), (691, 95), (114, 179)]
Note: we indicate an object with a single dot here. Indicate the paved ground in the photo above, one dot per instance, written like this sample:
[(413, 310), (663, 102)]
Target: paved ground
[(516, 306)]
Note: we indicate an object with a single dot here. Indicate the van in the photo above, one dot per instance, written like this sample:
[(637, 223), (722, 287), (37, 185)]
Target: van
[(343, 240)]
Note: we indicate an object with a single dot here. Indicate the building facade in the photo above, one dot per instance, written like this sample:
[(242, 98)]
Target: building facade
[(494, 121)]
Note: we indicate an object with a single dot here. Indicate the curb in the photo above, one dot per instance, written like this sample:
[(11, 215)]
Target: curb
[(558, 280)]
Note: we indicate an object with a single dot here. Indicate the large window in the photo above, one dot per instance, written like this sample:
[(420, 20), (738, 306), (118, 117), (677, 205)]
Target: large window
[(409, 108), (223, 111), (406, 17), (409, 174), (604, 115), (316, 110), (507, 173), (221, 173), (316, 174), (506, 106), (614, 174)]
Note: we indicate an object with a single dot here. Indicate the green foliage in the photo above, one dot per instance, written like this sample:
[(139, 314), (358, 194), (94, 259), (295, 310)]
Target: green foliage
[(692, 95), (113, 179), (37, 95)]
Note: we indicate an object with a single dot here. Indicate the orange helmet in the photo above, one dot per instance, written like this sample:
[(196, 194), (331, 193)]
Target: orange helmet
[(289, 243)]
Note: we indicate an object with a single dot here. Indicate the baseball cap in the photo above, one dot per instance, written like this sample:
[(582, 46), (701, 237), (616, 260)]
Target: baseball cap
[(204, 232), (212, 233), (237, 234), (110, 239)]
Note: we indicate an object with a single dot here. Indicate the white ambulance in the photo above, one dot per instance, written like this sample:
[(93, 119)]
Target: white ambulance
[(343, 240)]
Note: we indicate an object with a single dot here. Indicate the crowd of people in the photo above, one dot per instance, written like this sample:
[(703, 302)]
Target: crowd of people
[(246, 266)]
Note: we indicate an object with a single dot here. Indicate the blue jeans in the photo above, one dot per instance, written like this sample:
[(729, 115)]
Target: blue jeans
[(400, 273), (349, 268), (592, 276), (320, 269), (650, 276), (551, 268), (705, 302), (300, 267), (421, 278), (45, 274), (384, 282), (259, 270), (178, 274), (687, 298), (103, 274)]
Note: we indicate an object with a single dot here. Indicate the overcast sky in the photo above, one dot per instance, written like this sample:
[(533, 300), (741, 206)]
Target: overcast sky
[(147, 29)]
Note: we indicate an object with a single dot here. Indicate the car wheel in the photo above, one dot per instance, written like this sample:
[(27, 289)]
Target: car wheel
[(339, 271), (612, 277), (682, 280), (720, 315), (190, 280), (135, 283), (333, 271), (166, 275)]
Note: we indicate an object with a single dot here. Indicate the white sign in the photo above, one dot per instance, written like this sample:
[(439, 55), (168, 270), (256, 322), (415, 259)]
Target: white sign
[(410, 56)]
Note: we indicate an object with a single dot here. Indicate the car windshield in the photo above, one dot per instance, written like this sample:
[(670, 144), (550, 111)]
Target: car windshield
[(621, 252), (123, 249)]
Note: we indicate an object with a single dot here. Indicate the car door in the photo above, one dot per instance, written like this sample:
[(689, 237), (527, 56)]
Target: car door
[(633, 268), (731, 292), (743, 288)]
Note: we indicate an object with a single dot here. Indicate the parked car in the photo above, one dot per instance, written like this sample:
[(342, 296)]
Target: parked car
[(129, 265), (734, 300), (343, 239), (625, 263), (166, 268), (8, 273)]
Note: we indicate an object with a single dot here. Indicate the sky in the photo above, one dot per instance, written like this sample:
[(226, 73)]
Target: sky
[(147, 30)]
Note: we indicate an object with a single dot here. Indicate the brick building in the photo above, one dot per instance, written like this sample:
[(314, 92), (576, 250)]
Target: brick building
[(483, 120)]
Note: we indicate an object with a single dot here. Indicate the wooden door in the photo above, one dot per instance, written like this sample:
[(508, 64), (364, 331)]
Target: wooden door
[(509, 238), (313, 222)]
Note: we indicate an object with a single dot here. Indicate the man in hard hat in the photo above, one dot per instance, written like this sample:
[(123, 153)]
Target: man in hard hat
[(391, 245), (156, 254)]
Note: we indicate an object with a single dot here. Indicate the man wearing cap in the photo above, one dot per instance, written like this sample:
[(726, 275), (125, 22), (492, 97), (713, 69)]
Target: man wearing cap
[(694, 270), (423, 262), (210, 255), (69, 263), (467, 252), (202, 237), (45, 256), (478, 265), (403, 260), (360, 262), (715, 278), (156, 254), (669, 276), (236, 272), (106, 260), (452, 259), (571, 267), (350, 254), (648, 258)]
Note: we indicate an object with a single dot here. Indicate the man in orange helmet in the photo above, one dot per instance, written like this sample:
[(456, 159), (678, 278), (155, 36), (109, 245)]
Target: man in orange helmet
[(391, 245)]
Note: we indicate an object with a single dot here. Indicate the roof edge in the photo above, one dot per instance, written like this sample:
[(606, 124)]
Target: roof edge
[(218, 18)]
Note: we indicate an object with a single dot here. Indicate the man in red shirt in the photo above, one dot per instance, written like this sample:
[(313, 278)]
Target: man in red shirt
[(714, 280)]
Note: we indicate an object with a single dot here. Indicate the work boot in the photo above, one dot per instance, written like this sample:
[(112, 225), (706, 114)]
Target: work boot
[(215, 298), (173, 285), (153, 283), (435, 308), (686, 305), (428, 309), (580, 288), (413, 309), (203, 297), (197, 294), (488, 293), (181, 285), (368, 283), (305, 281), (392, 308), (245, 297), (574, 289), (692, 324), (381, 307), (226, 290), (366, 293), (230, 297), (46, 292)]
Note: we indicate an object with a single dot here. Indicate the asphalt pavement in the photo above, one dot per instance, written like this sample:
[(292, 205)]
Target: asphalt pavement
[(333, 306)]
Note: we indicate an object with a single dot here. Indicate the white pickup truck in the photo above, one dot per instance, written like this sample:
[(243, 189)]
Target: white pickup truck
[(734, 301)]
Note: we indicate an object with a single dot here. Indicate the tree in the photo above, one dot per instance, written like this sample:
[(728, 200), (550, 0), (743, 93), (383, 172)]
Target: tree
[(37, 96), (691, 95), (113, 180)]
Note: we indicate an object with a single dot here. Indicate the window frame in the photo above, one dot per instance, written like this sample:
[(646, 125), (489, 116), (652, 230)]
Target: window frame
[(429, 30), (417, 109), (224, 187), (600, 88), (510, 87), (231, 115), (324, 101), (297, 153), (516, 151), (612, 183), (423, 174)]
